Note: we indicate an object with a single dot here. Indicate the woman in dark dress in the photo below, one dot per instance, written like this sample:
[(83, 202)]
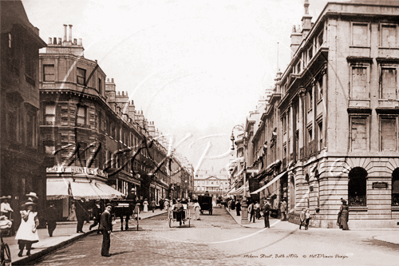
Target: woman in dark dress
[(343, 216)]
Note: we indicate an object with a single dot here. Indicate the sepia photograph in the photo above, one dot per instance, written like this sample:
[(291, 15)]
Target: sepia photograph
[(199, 132)]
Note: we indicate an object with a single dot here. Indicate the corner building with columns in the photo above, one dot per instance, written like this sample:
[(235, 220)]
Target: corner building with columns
[(339, 117)]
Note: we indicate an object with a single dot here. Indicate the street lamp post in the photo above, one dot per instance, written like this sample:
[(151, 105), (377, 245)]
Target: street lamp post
[(244, 202)]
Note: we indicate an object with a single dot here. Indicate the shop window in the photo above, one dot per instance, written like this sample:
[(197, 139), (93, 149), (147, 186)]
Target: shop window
[(48, 73), (359, 83), (360, 34), (81, 116), (388, 134), (357, 187), (395, 187), (49, 114), (388, 83), (81, 76), (388, 36), (358, 132)]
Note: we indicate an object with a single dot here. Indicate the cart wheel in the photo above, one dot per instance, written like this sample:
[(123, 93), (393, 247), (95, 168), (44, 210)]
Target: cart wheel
[(5, 253), (170, 222)]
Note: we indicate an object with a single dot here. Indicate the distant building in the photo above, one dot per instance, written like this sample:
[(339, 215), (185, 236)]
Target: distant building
[(216, 183)]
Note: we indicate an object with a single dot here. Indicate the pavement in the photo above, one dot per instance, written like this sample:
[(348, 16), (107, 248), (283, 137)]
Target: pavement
[(392, 238), (64, 234)]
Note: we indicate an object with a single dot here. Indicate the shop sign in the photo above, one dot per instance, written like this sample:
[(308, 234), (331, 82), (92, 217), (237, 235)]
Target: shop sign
[(380, 185), (76, 170)]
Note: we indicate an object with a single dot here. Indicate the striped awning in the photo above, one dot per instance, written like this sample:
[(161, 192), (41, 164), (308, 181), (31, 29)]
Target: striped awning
[(270, 183)]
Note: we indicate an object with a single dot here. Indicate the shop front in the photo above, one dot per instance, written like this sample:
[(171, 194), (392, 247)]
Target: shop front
[(67, 184)]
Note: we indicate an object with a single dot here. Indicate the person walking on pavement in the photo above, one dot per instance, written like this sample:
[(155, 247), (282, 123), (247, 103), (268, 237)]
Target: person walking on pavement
[(145, 204), (257, 210), (72, 215), (51, 218), (266, 213), (80, 215), (343, 216), (27, 233), (238, 207), (152, 205), (283, 209), (106, 228), (96, 215), (251, 212), (197, 209)]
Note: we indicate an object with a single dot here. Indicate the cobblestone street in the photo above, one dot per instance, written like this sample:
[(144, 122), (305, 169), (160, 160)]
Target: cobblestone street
[(218, 240)]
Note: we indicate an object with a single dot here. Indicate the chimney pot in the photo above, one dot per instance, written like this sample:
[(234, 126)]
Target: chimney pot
[(54, 40), (112, 80), (75, 41), (60, 41), (50, 40), (80, 41), (65, 32), (70, 33)]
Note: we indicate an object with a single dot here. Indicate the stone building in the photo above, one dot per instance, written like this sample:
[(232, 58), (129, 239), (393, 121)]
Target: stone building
[(338, 117), (21, 168), (216, 183)]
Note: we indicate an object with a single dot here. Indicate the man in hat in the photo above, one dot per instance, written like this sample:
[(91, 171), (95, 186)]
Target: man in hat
[(80, 215), (32, 196), (106, 228), (266, 213), (51, 218)]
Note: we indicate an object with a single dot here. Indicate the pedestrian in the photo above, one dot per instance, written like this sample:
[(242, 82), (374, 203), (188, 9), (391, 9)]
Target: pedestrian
[(51, 219), (106, 229), (251, 212), (96, 215), (257, 210), (161, 201), (80, 215), (145, 203), (27, 233), (307, 219), (283, 209), (152, 205), (233, 204), (72, 214), (6, 209), (229, 205), (238, 207), (197, 209), (302, 218), (343, 216), (266, 213)]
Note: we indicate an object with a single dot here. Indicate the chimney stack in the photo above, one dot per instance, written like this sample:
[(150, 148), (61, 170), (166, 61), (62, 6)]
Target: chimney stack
[(70, 33), (65, 32), (306, 20)]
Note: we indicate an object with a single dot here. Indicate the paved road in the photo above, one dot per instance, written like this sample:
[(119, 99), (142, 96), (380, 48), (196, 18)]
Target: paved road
[(218, 240)]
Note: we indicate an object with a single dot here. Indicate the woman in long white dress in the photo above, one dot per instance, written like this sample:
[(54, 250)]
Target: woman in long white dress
[(27, 233), (145, 203), (72, 215), (197, 209)]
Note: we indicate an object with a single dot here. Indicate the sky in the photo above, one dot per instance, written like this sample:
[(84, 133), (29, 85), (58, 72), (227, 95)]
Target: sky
[(195, 68)]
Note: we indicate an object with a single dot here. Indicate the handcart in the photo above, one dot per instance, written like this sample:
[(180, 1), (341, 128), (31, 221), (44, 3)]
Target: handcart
[(181, 216)]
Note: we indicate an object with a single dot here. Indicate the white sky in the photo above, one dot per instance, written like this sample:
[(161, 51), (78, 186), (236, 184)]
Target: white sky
[(194, 67)]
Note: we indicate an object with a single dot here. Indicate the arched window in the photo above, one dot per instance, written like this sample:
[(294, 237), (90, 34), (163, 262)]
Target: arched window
[(395, 187), (357, 187)]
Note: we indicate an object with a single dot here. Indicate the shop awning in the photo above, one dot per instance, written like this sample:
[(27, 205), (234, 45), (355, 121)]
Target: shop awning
[(81, 188), (231, 191), (270, 183), (240, 191)]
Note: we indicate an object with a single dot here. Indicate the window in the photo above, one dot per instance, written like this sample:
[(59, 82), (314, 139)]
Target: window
[(81, 119), (310, 134), (359, 83), (360, 34), (49, 114), (82, 154), (320, 133), (388, 133), (395, 187), (81, 77), (48, 72), (49, 148), (310, 53), (388, 83), (320, 40), (359, 135), (284, 124), (357, 187), (31, 129), (320, 89), (310, 100), (100, 86), (388, 36)]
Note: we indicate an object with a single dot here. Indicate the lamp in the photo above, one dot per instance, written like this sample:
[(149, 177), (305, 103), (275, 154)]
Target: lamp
[(232, 140)]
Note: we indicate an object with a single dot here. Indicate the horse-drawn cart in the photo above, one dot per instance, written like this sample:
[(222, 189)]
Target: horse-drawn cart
[(206, 203)]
